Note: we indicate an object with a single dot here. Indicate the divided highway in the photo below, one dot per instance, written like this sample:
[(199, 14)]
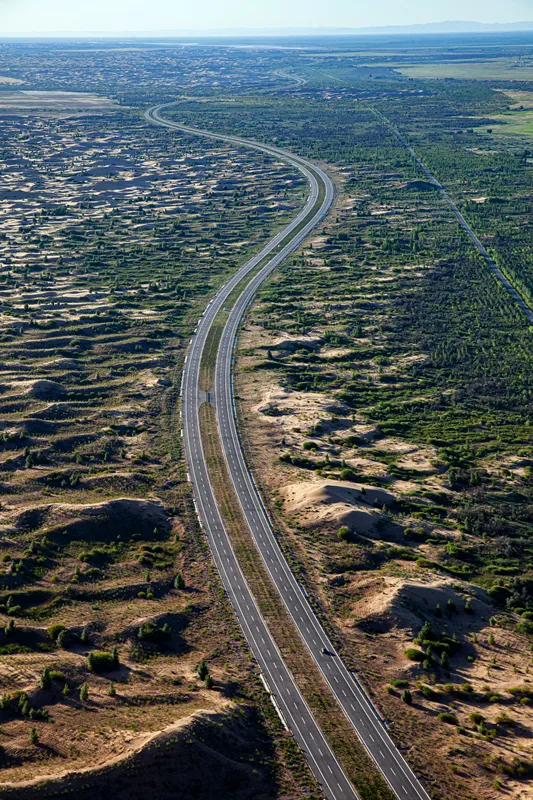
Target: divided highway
[(344, 685)]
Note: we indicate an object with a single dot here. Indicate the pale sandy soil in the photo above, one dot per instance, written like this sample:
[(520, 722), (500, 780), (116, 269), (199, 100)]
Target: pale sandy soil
[(336, 502), (379, 611), (130, 745), (27, 99)]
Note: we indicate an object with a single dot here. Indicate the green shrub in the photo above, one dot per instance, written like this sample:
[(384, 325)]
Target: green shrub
[(399, 683), (427, 634), (67, 638), (54, 630), (310, 446), (344, 533), (407, 697), (505, 720), (102, 661), (525, 627), (415, 655), (46, 680), (518, 769), (97, 554), (521, 691), (347, 475), (153, 633), (499, 593), (429, 692), (202, 670), (446, 716)]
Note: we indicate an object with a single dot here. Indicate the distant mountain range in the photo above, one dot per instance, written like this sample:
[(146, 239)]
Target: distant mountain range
[(430, 27), (427, 28), (439, 27)]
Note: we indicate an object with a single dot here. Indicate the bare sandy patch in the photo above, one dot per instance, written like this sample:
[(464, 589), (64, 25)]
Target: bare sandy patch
[(294, 409), (337, 502), (55, 100)]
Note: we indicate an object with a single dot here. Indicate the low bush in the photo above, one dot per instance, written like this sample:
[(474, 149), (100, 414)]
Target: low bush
[(54, 630), (102, 661), (415, 655), (447, 716)]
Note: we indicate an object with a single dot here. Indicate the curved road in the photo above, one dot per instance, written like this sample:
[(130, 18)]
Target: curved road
[(349, 693)]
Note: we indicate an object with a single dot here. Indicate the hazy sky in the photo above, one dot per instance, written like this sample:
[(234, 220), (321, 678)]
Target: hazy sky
[(109, 15)]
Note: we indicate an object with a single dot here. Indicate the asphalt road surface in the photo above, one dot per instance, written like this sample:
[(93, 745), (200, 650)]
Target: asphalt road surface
[(286, 695)]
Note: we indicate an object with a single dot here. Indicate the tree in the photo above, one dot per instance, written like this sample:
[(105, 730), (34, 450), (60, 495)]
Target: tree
[(426, 632), (66, 638), (84, 691), (179, 582), (84, 636), (208, 681), (203, 670), (46, 680), (65, 690), (34, 736), (492, 640), (407, 697), (112, 692), (444, 660), (102, 661), (344, 533)]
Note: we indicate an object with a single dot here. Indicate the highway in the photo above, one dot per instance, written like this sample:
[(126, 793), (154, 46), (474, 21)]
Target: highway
[(507, 285), (344, 685)]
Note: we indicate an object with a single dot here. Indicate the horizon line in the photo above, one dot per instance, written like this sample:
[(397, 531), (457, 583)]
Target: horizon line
[(277, 31)]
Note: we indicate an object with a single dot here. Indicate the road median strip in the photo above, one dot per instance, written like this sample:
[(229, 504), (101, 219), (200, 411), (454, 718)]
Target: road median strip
[(338, 731)]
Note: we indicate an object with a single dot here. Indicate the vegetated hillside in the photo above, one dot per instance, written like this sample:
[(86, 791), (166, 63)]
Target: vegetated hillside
[(385, 382), (179, 761), (114, 631), (386, 387)]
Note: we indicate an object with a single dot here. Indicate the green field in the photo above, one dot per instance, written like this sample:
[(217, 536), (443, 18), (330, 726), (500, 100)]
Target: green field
[(498, 69), (512, 124)]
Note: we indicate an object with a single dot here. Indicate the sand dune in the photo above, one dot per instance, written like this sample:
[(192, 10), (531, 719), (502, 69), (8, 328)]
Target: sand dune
[(338, 502)]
